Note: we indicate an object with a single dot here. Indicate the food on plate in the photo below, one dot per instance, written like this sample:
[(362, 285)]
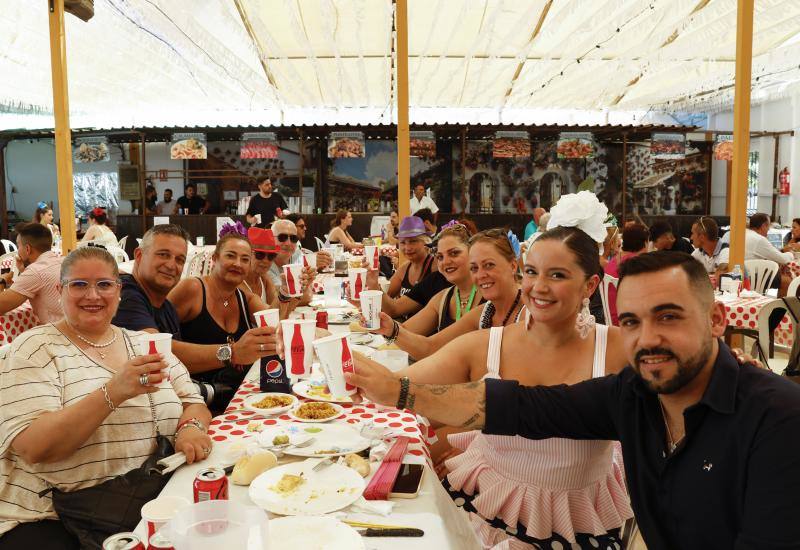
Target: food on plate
[(274, 401), (346, 148), (511, 148), (574, 149), (357, 463), (723, 150), (188, 149), (288, 484), (91, 152), (282, 439), (255, 427), (248, 468), (315, 411), (356, 327), (388, 346)]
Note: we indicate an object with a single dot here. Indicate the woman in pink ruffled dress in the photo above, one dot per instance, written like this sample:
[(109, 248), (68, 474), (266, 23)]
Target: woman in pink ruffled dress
[(554, 493)]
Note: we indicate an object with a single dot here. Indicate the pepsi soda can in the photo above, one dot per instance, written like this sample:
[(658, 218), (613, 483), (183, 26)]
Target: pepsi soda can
[(273, 376)]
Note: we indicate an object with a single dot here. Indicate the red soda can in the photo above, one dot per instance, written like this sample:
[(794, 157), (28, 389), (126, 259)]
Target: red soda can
[(322, 319), (159, 541), (123, 541), (210, 484)]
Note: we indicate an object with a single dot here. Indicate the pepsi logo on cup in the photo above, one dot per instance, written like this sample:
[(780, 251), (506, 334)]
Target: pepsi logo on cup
[(274, 369)]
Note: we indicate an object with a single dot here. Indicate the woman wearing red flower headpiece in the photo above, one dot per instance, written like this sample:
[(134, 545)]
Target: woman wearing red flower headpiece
[(99, 232)]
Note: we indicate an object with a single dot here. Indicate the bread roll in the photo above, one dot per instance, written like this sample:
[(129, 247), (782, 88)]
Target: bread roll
[(355, 326), (248, 468), (358, 463)]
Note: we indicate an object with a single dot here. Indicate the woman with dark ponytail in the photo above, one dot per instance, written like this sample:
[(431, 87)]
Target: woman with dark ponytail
[(99, 232)]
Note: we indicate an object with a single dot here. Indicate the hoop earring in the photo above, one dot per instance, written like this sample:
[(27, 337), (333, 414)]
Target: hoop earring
[(528, 320), (585, 320)]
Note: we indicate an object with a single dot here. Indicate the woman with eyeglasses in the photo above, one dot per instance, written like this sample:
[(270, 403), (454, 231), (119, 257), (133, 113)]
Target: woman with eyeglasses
[(257, 281), (80, 404), (413, 244), (215, 312), (339, 233)]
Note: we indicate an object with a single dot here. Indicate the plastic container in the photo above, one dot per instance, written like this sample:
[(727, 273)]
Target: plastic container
[(216, 524)]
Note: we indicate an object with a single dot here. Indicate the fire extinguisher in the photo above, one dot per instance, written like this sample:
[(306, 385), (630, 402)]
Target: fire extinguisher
[(783, 181)]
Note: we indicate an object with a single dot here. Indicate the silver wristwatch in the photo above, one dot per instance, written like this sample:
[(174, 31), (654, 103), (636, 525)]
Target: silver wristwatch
[(224, 354)]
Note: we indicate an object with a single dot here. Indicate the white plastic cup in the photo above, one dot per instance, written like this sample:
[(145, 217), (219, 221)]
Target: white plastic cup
[(383, 282), (201, 241), (371, 307), (159, 342), (293, 273), (392, 359), (267, 318), (339, 249), (257, 218), (357, 277), (298, 336), (332, 291), (336, 358), (310, 260), (305, 312), (372, 254), (159, 511)]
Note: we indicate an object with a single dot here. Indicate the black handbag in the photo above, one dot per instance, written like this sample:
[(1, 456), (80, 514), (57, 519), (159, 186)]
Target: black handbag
[(95, 513)]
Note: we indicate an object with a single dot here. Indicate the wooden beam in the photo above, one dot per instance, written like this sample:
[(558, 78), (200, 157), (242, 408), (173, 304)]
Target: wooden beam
[(3, 198), (301, 147), (403, 146), (63, 136), (741, 128), (775, 188), (624, 176), (536, 30)]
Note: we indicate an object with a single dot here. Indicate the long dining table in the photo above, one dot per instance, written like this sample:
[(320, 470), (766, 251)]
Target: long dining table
[(445, 526)]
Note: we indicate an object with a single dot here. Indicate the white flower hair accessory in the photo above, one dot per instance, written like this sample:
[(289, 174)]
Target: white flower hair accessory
[(583, 211)]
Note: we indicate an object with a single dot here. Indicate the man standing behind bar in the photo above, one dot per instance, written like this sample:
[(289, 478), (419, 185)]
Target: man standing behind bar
[(266, 206), (191, 202), (711, 448)]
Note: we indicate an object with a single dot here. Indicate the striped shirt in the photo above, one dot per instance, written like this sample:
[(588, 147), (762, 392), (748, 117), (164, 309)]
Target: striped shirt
[(43, 372)]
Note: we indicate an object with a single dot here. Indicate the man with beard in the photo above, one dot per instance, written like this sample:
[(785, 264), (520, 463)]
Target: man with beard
[(39, 274), (711, 448)]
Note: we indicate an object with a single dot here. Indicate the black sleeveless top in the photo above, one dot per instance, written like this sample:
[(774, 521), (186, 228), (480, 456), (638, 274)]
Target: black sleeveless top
[(444, 319), (203, 329), (405, 284)]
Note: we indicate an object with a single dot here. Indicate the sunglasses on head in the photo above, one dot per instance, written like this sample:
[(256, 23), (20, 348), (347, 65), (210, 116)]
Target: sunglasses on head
[(283, 236), (262, 255)]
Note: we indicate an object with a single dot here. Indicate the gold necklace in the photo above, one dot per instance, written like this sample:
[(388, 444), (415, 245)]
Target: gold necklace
[(672, 444), (96, 346)]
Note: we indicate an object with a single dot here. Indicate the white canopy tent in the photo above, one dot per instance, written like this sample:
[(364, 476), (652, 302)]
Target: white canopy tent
[(253, 62)]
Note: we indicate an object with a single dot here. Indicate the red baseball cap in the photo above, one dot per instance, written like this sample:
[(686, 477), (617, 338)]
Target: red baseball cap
[(263, 240)]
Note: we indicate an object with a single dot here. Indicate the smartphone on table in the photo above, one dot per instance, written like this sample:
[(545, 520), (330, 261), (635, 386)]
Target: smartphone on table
[(408, 481)]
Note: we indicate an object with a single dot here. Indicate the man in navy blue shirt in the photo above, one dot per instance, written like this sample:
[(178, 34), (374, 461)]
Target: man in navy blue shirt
[(711, 448), (157, 269)]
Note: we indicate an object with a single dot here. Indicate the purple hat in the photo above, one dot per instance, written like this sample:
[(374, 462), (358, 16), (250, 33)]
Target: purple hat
[(411, 226)]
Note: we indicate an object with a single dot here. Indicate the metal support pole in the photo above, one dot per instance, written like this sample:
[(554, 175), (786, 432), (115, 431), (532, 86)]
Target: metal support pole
[(63, 135), (741, 128)]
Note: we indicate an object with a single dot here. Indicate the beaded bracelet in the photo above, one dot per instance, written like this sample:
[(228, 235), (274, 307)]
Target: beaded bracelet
[(403, 399), (395, 333)]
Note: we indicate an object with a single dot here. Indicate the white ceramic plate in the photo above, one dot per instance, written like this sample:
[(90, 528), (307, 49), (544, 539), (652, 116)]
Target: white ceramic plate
[(332, 488), (313, 533), (316, 391), (329, 440), (256, 397), (339, 410)]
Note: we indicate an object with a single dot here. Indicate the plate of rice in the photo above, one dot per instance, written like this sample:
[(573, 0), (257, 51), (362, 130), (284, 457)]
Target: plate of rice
[(315, 411), (270, 403)]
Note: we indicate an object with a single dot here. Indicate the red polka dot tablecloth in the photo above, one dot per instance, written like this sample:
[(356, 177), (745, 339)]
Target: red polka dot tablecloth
[(15, 322), (233, 424), (793, 268), (743, 313)]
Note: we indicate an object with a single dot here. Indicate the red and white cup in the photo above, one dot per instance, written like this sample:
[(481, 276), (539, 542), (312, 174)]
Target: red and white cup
[(158, 342), (371, 308), (159, 511), (293, 272), (310, 260), (372, 255), (267, 318), (298, 336), (357, 278), (335, 359)]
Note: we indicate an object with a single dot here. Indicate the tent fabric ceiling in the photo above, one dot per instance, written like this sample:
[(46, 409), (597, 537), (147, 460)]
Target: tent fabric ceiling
[(250, 62)]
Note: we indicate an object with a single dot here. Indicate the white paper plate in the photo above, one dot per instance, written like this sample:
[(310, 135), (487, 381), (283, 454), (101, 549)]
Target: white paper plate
[(314, 390), (361, 338), (334, 405), (297, 434), (313, 533), (256, 397), (332, 488), (342, 439)]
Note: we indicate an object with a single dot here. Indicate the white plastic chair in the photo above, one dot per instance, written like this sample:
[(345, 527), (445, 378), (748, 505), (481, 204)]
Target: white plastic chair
[(123, 241), (607, 282), (320, 244), (9, 245), (766, 340), (762, 273), (119, 254), (794, 286), (199, 265), (138, 241)]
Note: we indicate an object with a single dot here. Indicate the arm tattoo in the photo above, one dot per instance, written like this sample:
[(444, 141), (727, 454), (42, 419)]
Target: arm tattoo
[(471, 421), (410, 401)]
